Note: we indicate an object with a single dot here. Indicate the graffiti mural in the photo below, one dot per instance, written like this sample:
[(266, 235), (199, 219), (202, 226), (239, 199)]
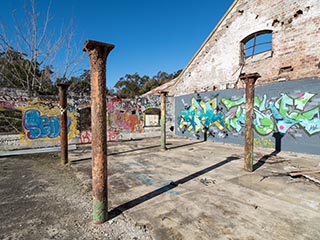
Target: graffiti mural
[(38, 124), (202, 116), (128, 115), (285, 114), (41, 126), (42, 121)]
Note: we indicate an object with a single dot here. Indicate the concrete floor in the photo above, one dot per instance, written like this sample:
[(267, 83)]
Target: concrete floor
[(199, 190)]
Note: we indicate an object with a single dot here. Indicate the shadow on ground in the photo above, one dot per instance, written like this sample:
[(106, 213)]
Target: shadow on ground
[(120, 209)]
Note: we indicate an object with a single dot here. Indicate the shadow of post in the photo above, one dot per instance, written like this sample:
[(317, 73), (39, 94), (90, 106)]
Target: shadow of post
[(128, 205), (278, 136)]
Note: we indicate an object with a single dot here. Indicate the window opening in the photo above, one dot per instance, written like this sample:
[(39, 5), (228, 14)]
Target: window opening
[(257, 43), (152, 117)]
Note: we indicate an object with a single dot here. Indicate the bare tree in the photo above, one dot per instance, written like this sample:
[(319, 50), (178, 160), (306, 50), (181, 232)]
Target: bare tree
[(28, 56)]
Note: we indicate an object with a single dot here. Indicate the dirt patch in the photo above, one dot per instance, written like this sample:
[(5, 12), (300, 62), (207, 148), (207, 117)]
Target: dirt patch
[(41, 200)]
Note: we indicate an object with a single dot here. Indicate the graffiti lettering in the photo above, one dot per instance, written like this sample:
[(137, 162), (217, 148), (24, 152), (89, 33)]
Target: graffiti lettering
[(85, 136), (201, 116), (284, 114), (7, 104), (38, 126), (261, 142)]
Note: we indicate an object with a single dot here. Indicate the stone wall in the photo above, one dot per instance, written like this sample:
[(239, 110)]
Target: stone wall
[(295, 46)]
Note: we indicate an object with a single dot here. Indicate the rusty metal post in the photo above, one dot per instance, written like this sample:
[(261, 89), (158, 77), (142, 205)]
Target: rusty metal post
[(63, 123), (98, 53), (163, 139), (249, 80)]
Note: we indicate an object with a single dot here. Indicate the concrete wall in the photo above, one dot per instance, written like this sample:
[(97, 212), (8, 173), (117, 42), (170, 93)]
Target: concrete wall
[(40, 118), (40, 121), (289, 111), (126, 119), (295, 46)]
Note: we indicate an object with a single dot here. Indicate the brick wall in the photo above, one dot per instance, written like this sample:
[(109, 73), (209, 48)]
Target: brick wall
[(295, 46)]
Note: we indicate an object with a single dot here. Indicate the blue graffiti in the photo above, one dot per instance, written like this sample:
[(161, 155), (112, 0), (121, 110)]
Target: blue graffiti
[(38, 126), (201, 115)]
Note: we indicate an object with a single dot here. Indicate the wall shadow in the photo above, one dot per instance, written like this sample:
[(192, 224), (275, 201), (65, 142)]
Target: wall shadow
[(184, 145), (138, 149), (80, 160), (128, 205), (278, 136), (133, 150)]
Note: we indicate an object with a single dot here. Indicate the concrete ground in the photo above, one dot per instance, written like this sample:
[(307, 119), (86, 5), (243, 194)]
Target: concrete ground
[(199, 190)]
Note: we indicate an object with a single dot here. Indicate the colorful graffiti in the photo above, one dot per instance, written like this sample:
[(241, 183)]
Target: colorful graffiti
[(285, 114), (42, 122), (127, 115), (85, 136), (202, 116), (113, 134), (41, 126), (127, 121), (41, 118)]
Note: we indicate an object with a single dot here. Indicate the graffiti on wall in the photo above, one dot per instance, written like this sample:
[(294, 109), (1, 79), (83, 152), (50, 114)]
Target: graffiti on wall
[(85, 136), (113, 134), (42, 121), (40, 117), (284, 114), (127, 115), (203, 116), (41, 126)]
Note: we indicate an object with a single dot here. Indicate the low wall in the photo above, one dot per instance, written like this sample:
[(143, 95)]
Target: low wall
[(285, 113), (39, 123)]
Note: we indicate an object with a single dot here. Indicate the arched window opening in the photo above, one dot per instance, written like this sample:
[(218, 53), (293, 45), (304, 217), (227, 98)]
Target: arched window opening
[(257, 43)]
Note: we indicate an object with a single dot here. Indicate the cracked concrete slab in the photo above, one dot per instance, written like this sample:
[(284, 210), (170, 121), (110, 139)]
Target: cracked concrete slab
[(199, 190)]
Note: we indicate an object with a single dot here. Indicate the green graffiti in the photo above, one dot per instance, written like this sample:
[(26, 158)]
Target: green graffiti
[(284, 114), (228, 103)]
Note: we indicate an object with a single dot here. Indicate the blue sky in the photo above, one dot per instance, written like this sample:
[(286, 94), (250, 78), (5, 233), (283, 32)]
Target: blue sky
[(149, 35)]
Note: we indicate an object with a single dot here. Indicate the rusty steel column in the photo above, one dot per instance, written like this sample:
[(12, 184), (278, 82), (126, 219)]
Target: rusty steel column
[(63, 123), (249, 80), (163, 139), (98, 53)]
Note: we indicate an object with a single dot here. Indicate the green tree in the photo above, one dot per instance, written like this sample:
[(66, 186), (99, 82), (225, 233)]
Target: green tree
[(79, 84), (132, 85), (129, 86)]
